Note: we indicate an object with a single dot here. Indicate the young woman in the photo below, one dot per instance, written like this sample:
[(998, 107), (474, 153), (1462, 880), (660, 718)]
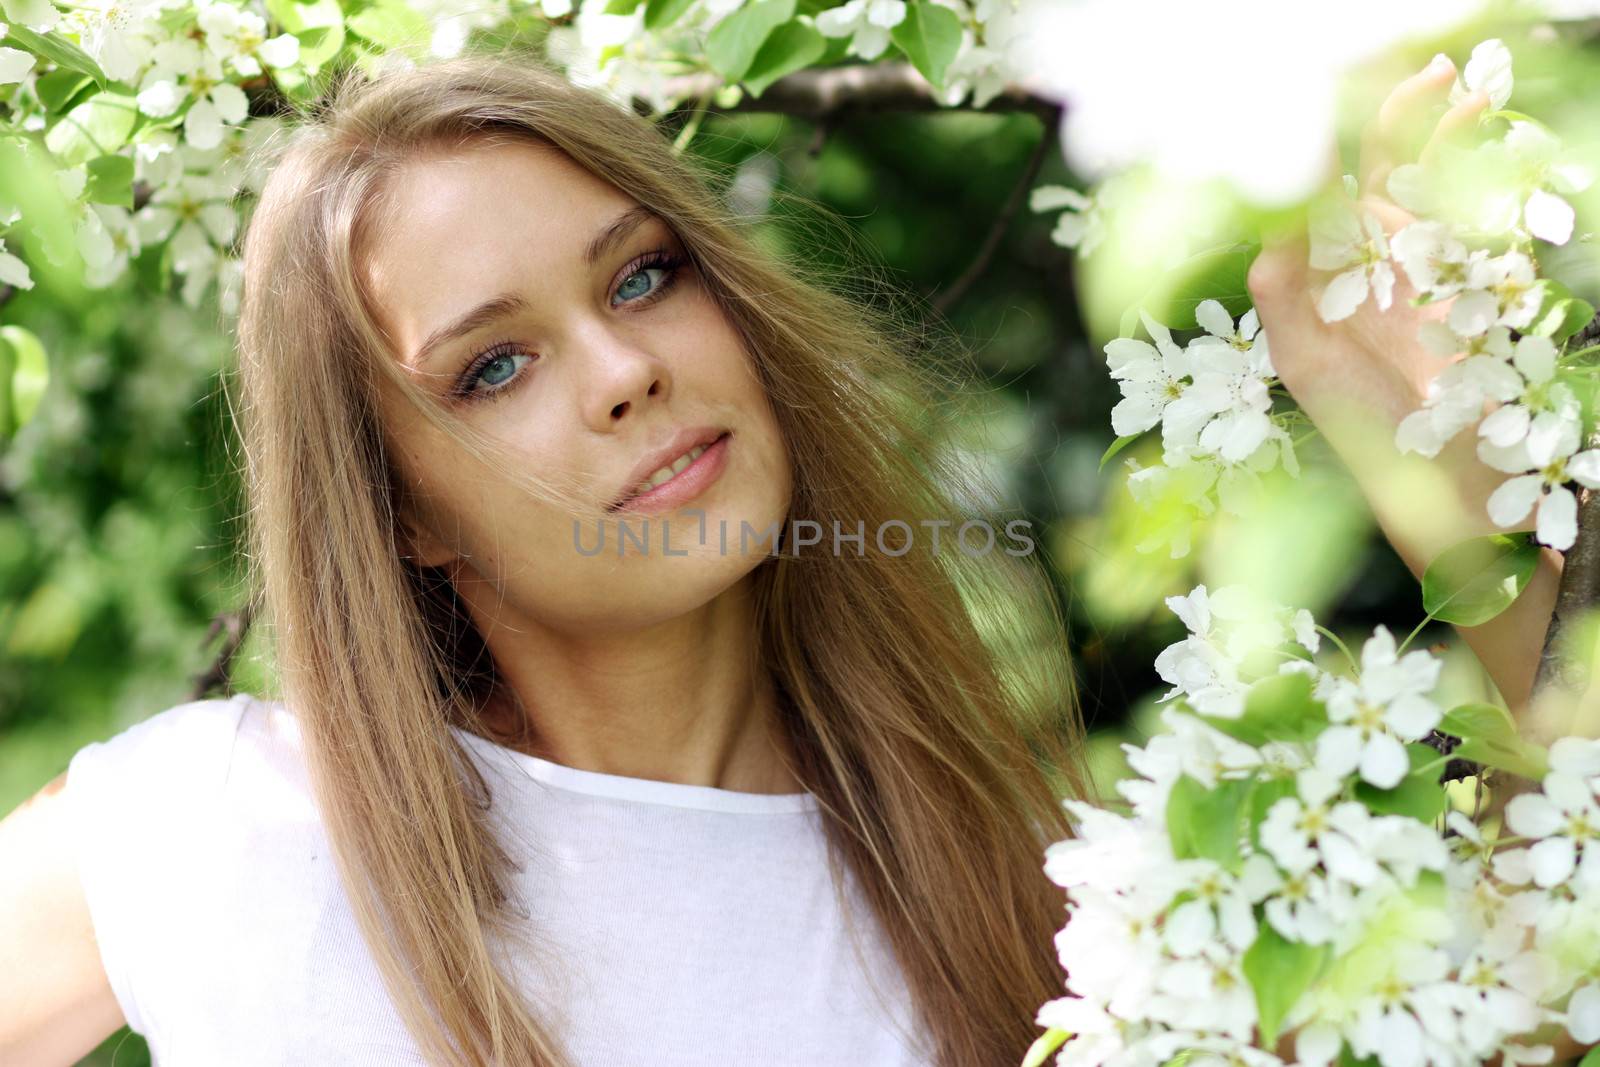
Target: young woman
[(526, 800)]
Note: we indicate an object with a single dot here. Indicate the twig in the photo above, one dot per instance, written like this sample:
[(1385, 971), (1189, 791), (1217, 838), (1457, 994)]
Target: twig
[(819, 136), (1579, 589), (237, 624), (947, 299), (820, 92)]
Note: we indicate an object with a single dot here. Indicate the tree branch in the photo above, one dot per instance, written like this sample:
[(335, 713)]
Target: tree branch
[(1562, 667), (823, 92), (1019, 191)]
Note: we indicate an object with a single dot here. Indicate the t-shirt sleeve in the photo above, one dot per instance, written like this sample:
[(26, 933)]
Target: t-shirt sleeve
[(137, 807)]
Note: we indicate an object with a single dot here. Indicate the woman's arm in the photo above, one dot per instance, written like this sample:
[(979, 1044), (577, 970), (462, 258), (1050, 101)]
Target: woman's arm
[(55, 1002), (1357, 378)]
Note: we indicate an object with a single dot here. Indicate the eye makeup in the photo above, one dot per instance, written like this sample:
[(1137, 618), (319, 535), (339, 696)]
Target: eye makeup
[(465, 389)]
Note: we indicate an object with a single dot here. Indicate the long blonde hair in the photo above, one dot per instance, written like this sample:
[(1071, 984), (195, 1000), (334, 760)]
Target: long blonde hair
[(928, 695)]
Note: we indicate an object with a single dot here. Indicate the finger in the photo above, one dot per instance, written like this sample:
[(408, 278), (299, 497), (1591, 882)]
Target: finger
[(1392, 136), (1454, 124), (1278, 275)]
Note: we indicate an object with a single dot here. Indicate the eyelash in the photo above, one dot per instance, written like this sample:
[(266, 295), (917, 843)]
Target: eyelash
[(659, 258)]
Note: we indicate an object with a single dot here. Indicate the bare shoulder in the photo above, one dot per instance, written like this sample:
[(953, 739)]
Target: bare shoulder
[(57, 1002)]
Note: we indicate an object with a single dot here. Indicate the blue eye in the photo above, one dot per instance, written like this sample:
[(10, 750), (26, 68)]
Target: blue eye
[(660, 260), (636, 274), (488, 376), (493, 367)]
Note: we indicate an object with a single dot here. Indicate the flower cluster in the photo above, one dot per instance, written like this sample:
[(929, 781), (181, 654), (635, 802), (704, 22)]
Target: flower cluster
[(1479, 210), (1287, 875), (1211, 397)]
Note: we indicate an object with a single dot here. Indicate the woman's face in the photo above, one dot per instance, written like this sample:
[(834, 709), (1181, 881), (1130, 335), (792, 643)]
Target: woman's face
[(584, 372)]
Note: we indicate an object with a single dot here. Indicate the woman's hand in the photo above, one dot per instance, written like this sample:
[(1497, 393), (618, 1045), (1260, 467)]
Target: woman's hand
[(1359, 377)]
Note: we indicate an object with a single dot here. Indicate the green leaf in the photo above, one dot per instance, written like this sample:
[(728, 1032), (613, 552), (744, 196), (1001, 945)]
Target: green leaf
[(1576, 315), (733, 43), (1419, 795), (392, 24), (1128, 325), (1470, 583), (1279, 971), (110, 181), (58, 50), (1489, 736), (659, 14), (793, 46), (1279, 707), (8, 363), (98, 126), (1206, 823), (1511, 116), (1216, 274), (1048, 1042), (1591, 1058), (1117, 446), (621, 7), (28, 375), (57, 88), (304, 21), (1480, 722), (1560, 314), (837, 51), (44, 234), (930, 36)]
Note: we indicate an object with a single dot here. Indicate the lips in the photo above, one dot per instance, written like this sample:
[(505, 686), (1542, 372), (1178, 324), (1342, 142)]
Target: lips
[(680, 442)]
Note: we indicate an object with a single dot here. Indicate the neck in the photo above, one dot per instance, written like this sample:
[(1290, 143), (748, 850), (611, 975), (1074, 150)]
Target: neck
[(682, 701)]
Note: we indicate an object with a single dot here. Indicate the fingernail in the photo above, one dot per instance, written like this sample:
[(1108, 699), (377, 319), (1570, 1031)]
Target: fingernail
[(1441, 62)]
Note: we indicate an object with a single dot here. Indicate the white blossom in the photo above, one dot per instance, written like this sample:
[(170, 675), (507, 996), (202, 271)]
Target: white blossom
[(1535, 359), (120, 35), (1151, 377), (1224, 411), (15, 65), (1544, 461), (1488, 70), (39, 15), (1434, 261), (1455, 400), (1355, 246), (13, 271), (1080, 225), (1566, 820), (1500, 291), (866, 22), (1548, 178), (239, 37), (1372, 718)]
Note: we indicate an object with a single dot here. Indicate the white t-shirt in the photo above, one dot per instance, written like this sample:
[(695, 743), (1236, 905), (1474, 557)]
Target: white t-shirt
[(690, 926)]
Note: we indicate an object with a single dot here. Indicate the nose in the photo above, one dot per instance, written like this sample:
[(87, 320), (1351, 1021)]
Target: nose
[(618, 377)]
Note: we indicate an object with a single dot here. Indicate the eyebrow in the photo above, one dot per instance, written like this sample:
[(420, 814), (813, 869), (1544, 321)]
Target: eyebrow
[(507, 304)]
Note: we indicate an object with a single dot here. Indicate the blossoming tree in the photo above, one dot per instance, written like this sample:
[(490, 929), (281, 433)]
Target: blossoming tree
[(1290, 881)]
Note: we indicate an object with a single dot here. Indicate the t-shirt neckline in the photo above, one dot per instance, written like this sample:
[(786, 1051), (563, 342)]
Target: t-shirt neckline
[(646, 790)]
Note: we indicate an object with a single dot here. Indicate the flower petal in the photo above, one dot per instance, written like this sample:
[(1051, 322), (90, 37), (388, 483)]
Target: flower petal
[(1557, 522), (1343, 295), (1214, 318), (1511, 502), (1549, 217), (1384, 761)]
